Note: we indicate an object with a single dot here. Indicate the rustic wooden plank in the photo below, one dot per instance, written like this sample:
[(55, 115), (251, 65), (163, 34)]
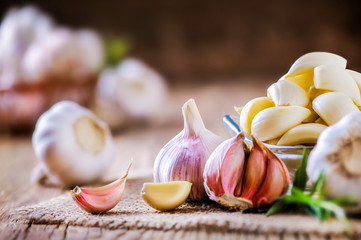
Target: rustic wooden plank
[(40, 231), (59, 232)]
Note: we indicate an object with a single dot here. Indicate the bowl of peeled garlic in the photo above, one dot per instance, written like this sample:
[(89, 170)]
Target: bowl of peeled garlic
[(315, 93)]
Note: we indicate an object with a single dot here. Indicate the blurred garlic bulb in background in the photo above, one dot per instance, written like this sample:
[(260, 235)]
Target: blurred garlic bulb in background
[(130, 90), (64, 54), (19, 29)]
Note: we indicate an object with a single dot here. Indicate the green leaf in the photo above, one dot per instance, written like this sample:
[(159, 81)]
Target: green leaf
[(116, 49), (339, 213), (301, 177), (345, 201), (279, 206)]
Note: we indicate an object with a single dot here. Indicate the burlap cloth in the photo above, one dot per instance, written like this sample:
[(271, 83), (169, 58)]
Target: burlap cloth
[(133, 213)]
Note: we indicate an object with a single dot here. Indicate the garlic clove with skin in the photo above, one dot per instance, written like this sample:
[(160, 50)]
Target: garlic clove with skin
[(183, 158), (256, 182), (100, 199), (73, 145)]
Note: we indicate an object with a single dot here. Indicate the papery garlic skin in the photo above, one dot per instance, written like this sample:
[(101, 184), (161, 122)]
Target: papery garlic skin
[(338, 154), (73, 145), (183, 158), (239, 183)]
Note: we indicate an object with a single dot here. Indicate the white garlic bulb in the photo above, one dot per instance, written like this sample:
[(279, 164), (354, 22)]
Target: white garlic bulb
[(65, 54), (18, 30), (338, 154), (72, 144), (132, 88)]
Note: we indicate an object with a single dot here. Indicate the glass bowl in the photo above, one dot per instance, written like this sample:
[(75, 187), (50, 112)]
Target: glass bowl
[(290, 155)]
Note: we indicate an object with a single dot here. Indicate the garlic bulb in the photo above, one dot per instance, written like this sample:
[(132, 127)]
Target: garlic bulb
[(64, 54), (183, 158), (236, 182), (19, 29), (338, 154), (134, 89), (73, 145)]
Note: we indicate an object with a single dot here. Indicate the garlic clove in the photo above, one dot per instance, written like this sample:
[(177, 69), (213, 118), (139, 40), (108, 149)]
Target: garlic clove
[(232, 165), (272, 122), (251, 109), (315, 92), (356, 76), (320, 121), (333, 78), (100, 199), (332, 106), (304, 80), (166, 196), (307, 133), (255, 171), (312, 117), (311, 60), (276, 179), (286, 93), (183, 158)]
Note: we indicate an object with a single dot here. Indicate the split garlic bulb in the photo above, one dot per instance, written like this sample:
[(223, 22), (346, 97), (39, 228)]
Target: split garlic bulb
[(73, 145), (234, 181), (338, 154), (130, 90), (183, 158)]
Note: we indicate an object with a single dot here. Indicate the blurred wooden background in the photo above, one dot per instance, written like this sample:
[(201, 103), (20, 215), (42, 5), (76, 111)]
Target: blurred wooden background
[(208, 39)]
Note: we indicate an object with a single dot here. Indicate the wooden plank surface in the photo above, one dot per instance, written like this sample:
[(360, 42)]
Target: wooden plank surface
[(18, 160)]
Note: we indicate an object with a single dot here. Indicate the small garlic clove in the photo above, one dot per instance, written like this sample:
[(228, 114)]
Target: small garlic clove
[(276, 180), (332, 106), (334, 78), (286, 93), (356, 76), (314, 92), (255, 171), (250, 110), (313, 116), (100, 199), (272, 122), (304, 80), (311, 60), (166, 196), (307, 133)]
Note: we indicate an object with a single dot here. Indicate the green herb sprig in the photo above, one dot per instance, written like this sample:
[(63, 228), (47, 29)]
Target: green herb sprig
[(312, 202)]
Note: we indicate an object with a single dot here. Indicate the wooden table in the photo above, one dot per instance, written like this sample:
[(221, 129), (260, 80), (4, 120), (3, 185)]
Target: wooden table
[(17, 161)]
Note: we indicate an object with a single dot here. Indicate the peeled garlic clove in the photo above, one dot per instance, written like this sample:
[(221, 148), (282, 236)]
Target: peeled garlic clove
[(307, 133), (337, 79), (72, 144), (320, 121), (311, 60), (251, 109), (304, 80), (313, 116), (337, 154), (272, 122), (276, 180), (183, 158), (332, 106), (314, 92), (166, 196), (356, 76), (286, 93), (100, 199)]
